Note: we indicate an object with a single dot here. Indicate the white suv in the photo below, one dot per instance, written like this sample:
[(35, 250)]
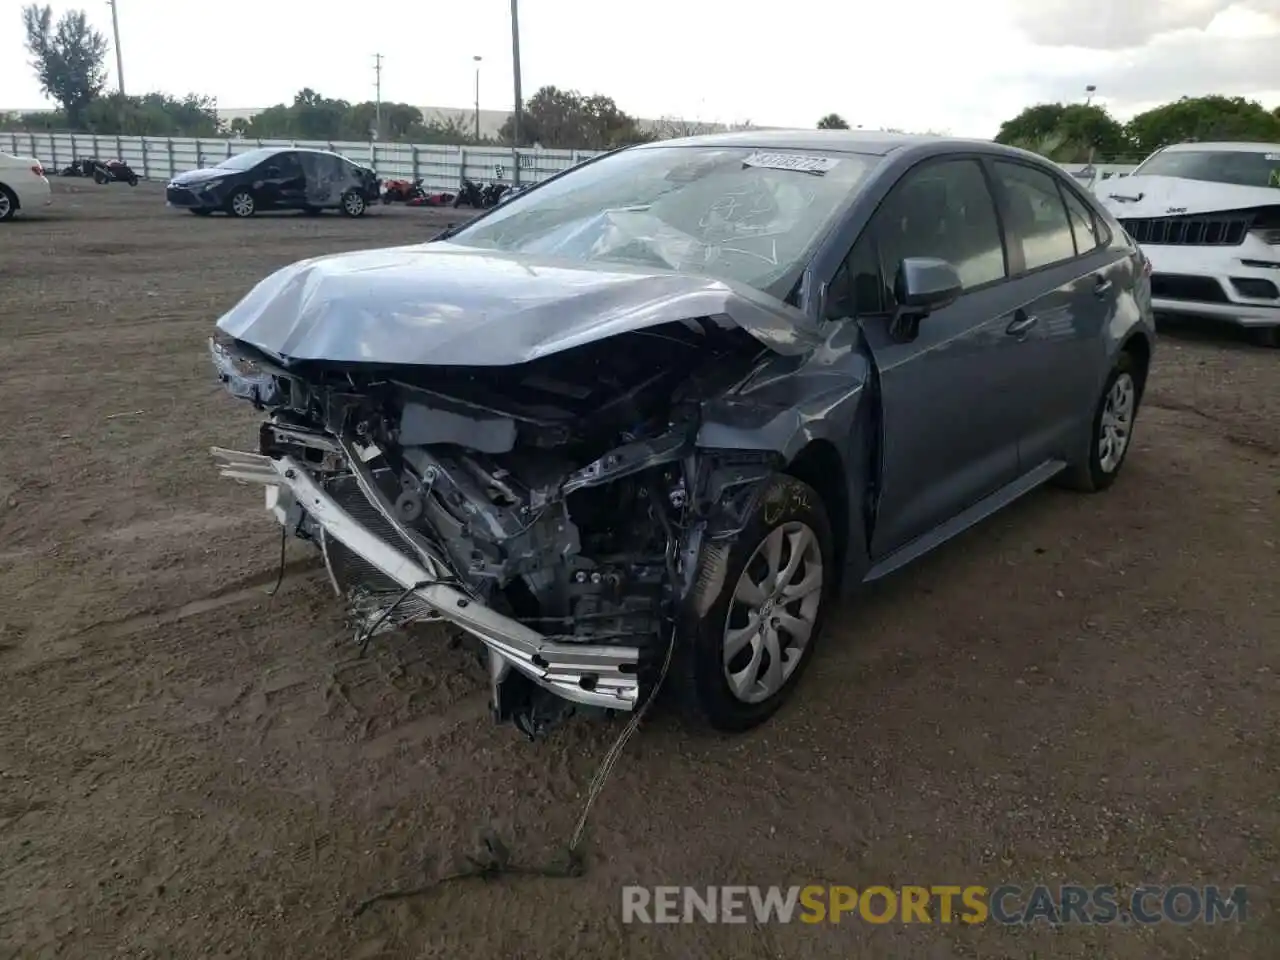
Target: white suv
[(1207, 215), (23, 185)]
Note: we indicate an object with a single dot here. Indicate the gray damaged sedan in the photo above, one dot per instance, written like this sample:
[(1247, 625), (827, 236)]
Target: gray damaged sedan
[(648, 420)]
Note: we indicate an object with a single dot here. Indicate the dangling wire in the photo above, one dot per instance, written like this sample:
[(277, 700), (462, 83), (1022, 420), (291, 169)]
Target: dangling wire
[(369, 631), (284, 542)]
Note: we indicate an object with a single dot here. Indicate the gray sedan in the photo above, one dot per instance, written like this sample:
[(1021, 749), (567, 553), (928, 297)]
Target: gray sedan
[(648, 419)]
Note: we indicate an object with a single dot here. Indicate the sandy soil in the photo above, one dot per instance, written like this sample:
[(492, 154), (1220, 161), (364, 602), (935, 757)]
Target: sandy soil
[(1084, 689)]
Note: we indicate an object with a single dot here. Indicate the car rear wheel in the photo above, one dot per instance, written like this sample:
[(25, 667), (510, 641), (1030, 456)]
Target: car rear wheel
[(353, 204), (1266, 336), (1112, 430), (241, 204), (8, 204), (757, 609)]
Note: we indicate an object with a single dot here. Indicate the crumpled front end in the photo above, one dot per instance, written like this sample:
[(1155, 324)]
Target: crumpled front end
[(553, 510)]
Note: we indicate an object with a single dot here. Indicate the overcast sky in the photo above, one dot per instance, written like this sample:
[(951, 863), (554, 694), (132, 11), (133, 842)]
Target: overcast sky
[(914, 64)]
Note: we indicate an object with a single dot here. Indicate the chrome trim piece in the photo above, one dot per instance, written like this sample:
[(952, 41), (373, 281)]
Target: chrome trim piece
[(590, 674)]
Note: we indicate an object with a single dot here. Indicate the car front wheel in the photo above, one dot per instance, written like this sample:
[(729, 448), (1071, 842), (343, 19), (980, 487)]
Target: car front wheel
[(758, 608), (242, 204), (8, 204)]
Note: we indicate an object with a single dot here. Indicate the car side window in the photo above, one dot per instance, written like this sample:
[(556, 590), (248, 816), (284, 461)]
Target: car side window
[(1036, 214), (1084, 225), (943, 210), (287, 163), (857, 290)]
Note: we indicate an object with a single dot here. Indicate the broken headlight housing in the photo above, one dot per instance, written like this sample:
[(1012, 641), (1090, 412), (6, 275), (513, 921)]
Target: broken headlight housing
[(242, 377)]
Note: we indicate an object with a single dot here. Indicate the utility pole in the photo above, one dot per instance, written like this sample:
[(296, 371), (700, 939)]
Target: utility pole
[(377, 103), (477, 59), (515, 71), (115, 32)]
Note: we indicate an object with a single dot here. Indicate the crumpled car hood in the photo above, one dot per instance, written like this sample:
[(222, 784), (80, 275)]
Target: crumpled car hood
[(443, 303), (1167, 196)]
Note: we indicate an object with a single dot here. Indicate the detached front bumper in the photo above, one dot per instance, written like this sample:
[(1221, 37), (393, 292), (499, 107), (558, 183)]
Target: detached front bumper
[(594, 675)]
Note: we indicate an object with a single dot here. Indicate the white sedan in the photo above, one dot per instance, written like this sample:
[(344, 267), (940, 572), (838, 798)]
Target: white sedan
[(23, 185)]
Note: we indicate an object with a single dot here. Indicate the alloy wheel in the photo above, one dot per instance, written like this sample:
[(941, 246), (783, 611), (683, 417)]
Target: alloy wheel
[(354, 204), (773, 612), (242, 204), (6, 205)]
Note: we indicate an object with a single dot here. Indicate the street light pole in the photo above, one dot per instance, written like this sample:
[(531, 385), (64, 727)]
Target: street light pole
[(1089, 91), (115, 32), (515, 71), (477, 60)]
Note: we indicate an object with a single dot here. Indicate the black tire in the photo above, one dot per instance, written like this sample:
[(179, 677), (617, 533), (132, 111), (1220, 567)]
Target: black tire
[(353, 204), (700, 669), (1090, 474), (99, 177), (242, 203), (1265, 336), (133, 180), (10, 206), (201, 211)]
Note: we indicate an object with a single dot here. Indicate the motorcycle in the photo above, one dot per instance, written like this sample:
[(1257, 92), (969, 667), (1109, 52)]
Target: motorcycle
[(403, 191), (470, 194), (79, 168), (116, 171), (491, 196)]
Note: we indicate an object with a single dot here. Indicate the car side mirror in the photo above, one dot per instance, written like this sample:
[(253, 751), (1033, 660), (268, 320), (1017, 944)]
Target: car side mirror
[(922, 285)]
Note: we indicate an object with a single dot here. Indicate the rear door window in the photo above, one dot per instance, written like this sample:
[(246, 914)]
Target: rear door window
[(1086, 229), (1037, 214)]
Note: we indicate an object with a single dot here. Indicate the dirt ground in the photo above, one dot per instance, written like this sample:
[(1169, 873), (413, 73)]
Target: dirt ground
[(1085, 689)]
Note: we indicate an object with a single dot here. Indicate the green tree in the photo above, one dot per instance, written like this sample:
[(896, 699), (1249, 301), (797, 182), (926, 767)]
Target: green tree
[(68, 57), (1067, 133), (153, 115), (833, 121), (1203, 118), (566, 119)]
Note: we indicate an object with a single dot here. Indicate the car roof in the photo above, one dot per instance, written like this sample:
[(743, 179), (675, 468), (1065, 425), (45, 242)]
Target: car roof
[(1226, 146), (278, 149), (876, 143)]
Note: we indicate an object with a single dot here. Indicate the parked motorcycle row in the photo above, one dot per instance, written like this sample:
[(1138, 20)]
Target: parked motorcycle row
[(102, 171), (413, 194), (471, 194)]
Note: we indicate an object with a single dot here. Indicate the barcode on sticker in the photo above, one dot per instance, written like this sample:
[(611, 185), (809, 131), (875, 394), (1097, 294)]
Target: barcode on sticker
[(791, 161)]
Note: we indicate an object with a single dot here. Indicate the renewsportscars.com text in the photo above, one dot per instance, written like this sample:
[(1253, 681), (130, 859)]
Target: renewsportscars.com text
[(1007, 904)]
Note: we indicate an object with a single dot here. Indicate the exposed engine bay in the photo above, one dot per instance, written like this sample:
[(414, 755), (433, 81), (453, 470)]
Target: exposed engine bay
[(556, 509)]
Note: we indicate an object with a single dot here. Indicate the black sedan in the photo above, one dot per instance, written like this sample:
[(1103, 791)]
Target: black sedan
[(279, 178)]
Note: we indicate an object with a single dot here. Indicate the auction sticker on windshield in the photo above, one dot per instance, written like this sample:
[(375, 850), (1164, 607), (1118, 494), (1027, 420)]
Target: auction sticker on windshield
[(791, 161)]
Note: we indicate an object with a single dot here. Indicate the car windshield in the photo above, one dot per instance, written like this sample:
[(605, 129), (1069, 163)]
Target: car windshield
[(1242, 168), (734, 213), (243, 161)]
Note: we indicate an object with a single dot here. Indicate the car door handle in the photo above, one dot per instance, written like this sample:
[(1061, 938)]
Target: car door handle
[(1022, 322), (1101, 287)]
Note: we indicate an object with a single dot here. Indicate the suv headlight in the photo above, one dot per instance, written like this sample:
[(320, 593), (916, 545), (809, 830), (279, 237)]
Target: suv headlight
[(1269, 235)]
